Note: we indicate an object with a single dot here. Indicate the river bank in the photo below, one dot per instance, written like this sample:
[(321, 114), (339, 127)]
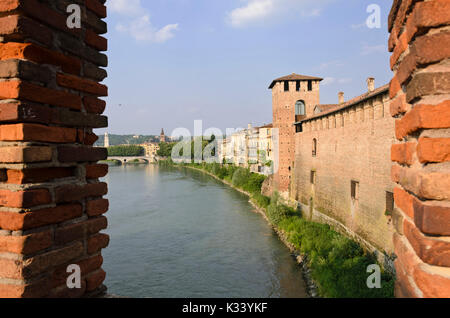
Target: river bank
[(334, 265)]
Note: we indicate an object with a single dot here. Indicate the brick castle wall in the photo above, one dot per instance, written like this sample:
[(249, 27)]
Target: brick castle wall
[(51, 205), (353, 144), (420, 88)]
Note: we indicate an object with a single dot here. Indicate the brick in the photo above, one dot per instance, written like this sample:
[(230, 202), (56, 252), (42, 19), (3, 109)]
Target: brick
[(405, 264), (95, 225), (36, 132), (94, 280), (433, 281), (97, 207), (423, 84), (77, 119), (96, 171), (86, 137), (431, 250), (433, 150), (25, 70), (15, 89), (24, 199), (35, 289), (96, 41), (433, 48), (26, 244), (80, 154), (18, 28), (98, 8), (92, 71), (44, 14), (394, 87), (432, 14), (25, 154), (404, 201), (432, 217), (69, 233), (73, 192), (400, 48), (403, 153), (97, 242), (43, 262), (424, 117), (426, 185), (38, 175), (40, 55), (94, 105), (25, 112), (28, 220), (399, 105), (81, 84)]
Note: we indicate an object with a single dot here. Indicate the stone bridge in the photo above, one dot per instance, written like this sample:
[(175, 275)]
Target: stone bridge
[(124, 160)]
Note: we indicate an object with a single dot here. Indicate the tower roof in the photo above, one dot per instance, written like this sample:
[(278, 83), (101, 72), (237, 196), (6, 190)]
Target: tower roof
[(162, 131), (294, 77)]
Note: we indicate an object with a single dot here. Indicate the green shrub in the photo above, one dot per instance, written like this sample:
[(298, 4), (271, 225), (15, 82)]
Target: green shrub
[(254, 183), (261, 200), (126, 151), (240, 177)]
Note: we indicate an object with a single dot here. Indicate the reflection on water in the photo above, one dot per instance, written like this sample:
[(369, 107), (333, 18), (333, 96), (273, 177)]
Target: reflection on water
[(181, 233)]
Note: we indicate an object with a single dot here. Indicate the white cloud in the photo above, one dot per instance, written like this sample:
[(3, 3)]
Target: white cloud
[(332, 80), (257, 11), (345, 80), (331, 64), (370, 49), (328, 81), (138, 24)]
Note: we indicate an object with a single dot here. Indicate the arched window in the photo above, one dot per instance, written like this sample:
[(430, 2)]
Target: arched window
[(314, 147), (300, 108)]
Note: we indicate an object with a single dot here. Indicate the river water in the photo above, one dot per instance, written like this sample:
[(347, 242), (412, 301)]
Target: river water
[(181, 233)]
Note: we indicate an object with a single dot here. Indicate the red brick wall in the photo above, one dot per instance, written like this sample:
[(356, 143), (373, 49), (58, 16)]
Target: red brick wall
[(51, 205), (420, 88), (283, 108)]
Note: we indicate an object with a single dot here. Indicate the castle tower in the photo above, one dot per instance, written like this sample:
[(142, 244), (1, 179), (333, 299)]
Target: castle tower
[(293, 98), (106, 144), (162, 137)]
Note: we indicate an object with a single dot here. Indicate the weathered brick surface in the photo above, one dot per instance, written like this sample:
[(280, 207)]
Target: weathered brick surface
[(353, 144), (52, 205), (420, 42)]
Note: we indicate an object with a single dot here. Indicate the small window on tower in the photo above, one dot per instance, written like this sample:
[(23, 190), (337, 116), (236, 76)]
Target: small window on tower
[(286, 86), (314, 147), (313, 177), (389, 203), (355, 190), (309, 85), (297, 86)]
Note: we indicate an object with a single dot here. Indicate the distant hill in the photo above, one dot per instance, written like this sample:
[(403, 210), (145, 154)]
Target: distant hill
[(115, 140)]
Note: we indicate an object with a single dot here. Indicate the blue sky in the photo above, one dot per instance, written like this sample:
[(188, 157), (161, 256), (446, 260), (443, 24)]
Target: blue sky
[(175, 61)]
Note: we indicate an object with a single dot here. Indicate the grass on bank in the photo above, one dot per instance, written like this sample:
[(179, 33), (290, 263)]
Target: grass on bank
[(338, 264)]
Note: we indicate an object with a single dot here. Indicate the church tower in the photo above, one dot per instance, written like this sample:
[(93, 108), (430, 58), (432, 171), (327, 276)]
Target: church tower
[(162, 137), (106, 142), (293, 98)]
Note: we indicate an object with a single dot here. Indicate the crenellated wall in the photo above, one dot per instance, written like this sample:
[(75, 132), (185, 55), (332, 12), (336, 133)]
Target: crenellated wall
[(352, 144), (51, 199), (420, 89)]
